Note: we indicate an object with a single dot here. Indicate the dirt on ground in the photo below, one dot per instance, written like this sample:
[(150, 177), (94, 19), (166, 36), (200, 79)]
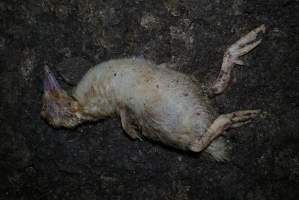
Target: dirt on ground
[(98, 160)]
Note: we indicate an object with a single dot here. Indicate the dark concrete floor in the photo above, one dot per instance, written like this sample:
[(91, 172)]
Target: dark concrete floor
[(98, 161)]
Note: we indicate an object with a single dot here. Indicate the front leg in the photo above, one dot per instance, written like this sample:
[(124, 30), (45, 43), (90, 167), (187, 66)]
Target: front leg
[(129, 123), (223, 122), (231, 57)]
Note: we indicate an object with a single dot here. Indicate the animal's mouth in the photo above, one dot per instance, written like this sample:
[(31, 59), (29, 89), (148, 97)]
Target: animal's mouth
[(51, 97), (58, 108)]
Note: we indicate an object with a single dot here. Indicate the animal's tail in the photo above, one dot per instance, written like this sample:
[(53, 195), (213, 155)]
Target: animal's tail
[(219, 149)]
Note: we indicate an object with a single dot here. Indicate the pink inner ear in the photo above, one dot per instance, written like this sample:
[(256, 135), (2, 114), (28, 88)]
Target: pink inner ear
[(50, 82)]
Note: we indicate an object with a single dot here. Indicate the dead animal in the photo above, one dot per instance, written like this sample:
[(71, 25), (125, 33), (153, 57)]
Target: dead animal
[(152, 101)]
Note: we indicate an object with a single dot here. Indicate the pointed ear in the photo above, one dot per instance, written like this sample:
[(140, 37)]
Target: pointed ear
[(50, 82)]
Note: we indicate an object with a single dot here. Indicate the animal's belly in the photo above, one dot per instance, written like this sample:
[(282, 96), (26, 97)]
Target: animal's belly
[(173, 120), (168, 106)]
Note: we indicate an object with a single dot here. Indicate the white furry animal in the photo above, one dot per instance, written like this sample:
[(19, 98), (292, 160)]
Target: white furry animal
[(152, 101)]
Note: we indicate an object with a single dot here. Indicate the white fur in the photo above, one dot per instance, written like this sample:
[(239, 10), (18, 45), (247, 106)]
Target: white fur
[(219, 149)]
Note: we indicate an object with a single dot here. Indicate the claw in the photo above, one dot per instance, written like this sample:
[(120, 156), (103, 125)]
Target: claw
[(251, 36), (245, 45), (248, 48), (238, 61), (244, 116), (237, 125)]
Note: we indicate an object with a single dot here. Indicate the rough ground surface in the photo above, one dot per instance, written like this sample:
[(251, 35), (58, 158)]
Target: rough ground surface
[(98, 161)]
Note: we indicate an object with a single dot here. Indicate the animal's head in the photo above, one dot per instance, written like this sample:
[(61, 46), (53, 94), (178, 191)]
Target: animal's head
[(59, 109)]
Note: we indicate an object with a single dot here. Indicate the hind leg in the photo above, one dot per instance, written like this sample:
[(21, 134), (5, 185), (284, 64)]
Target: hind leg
[(223, 122), (231, 57)]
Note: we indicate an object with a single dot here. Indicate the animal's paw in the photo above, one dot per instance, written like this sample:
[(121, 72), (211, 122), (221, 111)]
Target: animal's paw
[(242, 117), (245, 45)]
